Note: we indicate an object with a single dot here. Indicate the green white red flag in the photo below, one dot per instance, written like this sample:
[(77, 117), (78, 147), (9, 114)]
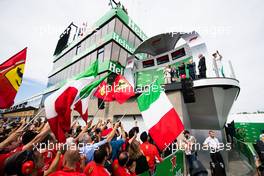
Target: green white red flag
[(161, 119), (73, 94)]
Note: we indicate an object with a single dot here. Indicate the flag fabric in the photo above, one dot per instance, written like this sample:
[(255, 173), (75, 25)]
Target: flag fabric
[(161, 119), (11, 74), (58, 106), (122, 89), (82, 99), (104, 92)]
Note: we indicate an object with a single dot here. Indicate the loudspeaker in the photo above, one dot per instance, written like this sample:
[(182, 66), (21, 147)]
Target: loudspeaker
[(101, 104), (187, 91)]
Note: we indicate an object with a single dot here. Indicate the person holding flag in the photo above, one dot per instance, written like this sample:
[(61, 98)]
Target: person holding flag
[(159, 116), (73, 95)]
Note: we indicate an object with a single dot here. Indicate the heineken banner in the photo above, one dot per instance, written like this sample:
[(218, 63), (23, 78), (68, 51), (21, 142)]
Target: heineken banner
[(173, 165)]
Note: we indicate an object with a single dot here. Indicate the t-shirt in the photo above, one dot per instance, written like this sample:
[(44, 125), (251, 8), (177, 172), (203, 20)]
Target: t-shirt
[(48, 157), (116, 146), (89, 150), (213, 144), (120, 171), (93, 169), (151, 153)]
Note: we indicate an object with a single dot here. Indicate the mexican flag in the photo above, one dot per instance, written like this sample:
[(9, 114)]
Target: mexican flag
[(60, 104), (161, 119)]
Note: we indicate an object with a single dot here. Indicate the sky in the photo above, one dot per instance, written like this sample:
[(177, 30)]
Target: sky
[(234, 27)]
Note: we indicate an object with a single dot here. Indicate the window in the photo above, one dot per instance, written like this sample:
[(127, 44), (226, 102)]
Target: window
[(163, 59), (104, 30), (118, 27), (148, 63), (87, 61), (122, 57), (100, 55), (82, 65), (98, 35), (87, 42), (78, 49), (131, 38), (115, 52), (111, 26), (177, 54), (77, 67), (107, 51), (125, 32), (93, 57), (67, 73), (137, 42), (92, 39), (70, 71)]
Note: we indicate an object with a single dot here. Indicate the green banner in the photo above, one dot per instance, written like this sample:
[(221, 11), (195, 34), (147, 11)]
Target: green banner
[(172, 165)]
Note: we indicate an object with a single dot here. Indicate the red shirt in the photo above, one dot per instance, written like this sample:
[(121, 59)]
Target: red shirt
[(93, 169), (48, 157), (120, 171), (60, 165), (151, 153), (3, 157), (67, 172)]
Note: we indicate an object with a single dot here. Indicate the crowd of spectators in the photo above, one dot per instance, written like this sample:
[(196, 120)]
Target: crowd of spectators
[(104, 148)]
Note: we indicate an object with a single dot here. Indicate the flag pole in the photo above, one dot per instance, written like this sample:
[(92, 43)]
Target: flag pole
[(34, 118)]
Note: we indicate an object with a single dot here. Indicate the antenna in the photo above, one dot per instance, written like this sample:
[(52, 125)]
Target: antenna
[(111, 2)]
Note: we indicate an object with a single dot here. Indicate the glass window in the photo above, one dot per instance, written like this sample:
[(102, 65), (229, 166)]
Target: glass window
[(137, 42), (87, 42), (98, 35), (78, 67), (62, 74), (87, 61), (70, 71), (78, 49), (111, 26), (122, 57), (118, 27), (107, 51), (92, 39), (125, 32), (115, 52), (93, 56), (131, 38), (81, 65), (73, 69), (104, 30), (100, 55)]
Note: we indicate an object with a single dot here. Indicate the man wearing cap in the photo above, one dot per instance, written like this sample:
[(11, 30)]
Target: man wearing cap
[(202, 66)]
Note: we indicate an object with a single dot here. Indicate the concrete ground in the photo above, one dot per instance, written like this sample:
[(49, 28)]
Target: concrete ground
[(236, 165)]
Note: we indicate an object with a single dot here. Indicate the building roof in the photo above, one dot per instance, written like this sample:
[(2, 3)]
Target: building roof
[(158, 44)]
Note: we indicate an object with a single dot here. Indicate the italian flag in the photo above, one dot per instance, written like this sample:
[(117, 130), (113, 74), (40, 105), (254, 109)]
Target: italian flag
[(73, 95), (161, 119)]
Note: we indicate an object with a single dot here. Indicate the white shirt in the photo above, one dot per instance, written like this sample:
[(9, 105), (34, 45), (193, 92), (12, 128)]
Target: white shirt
[(213, 144)]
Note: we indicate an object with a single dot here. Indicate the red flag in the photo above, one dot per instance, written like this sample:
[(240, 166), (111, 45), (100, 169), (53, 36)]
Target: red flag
[(122, 89), (104, 92), (11, 73)]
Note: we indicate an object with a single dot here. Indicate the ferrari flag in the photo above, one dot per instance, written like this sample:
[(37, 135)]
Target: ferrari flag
[(11, 73)]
